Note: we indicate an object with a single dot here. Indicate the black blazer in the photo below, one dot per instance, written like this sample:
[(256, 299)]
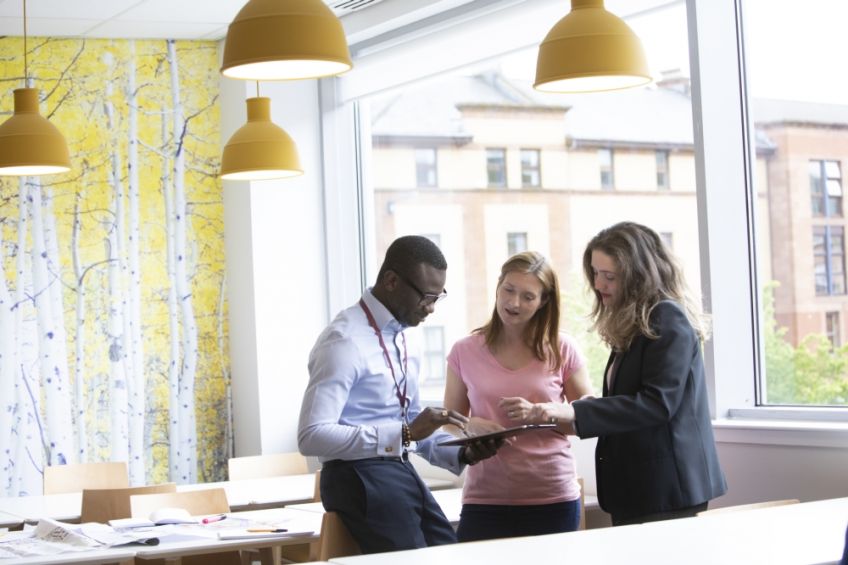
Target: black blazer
[(655, 450)]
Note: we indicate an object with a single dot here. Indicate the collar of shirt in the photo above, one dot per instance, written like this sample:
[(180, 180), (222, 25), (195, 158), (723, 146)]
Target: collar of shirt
[(385, 319)]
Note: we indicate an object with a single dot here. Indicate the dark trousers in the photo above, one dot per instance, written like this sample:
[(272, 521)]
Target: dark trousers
[(385, 504), (492, 521), (688, 512)]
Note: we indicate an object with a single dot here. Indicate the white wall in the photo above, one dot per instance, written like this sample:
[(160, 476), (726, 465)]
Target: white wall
[(277, 285)]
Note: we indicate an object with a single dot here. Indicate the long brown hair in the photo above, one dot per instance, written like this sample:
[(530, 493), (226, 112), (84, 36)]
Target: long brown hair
[(542, 331), (648, 273)]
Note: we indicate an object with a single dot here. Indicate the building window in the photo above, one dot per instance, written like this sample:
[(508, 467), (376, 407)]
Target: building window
[(531, 175), (516, 242), (662, 170), (826, 188), (425, 167), (433, 369), (605, 162), (829, 259), (496, 167), (832, 329)]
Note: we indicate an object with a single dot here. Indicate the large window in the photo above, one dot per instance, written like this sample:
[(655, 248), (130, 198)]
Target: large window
[(769, 141), (489, 113), (800, 125)]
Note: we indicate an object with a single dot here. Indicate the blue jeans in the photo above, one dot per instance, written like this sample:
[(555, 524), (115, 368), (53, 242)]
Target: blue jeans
[(491, 521)]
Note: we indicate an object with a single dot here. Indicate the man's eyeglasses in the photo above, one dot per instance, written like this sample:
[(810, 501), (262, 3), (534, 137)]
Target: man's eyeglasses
[(427, 298)]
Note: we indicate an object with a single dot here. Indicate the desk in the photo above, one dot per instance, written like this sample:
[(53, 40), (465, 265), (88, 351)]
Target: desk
[(94, 557), (294, 520), (183, 545), (808, 533)]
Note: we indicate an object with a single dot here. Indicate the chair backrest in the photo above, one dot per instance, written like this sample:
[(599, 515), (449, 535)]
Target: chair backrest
[(753, 506), (271, 465), (104, 504), (335, 540), (79, 476), (196, 502)]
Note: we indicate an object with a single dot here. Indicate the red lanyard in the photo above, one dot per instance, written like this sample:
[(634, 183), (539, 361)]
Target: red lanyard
[(401, 396)]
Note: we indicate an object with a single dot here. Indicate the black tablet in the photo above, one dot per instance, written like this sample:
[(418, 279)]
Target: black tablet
[(508, 432)]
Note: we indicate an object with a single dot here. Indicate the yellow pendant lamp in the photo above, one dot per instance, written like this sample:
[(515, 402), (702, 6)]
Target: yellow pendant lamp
[(590, 49), (29, 144), (260, 150), (285, 40)]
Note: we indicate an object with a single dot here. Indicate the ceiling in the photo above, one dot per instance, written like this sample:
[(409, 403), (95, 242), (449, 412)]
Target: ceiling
[(148, 19)]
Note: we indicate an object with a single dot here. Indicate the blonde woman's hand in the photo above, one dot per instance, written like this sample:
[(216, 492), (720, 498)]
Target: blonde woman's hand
[(517, 409)]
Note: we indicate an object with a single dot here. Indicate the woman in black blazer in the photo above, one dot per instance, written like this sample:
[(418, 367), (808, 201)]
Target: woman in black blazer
[(656, 457)]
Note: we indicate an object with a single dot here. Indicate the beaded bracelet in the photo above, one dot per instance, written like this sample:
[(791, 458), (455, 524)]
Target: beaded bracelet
[(406, 435)]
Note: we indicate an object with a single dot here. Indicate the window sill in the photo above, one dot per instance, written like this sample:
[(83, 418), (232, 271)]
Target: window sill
[(790, 426)]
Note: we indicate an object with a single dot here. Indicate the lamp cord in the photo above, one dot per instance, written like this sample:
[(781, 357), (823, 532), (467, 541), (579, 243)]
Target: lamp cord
[(26, 67)]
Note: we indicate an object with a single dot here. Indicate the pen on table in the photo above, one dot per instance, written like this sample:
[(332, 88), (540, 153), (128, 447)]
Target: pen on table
[(211, 519), (267, 530)]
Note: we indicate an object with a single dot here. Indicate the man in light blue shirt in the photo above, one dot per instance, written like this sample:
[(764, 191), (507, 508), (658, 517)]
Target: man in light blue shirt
[(361, 413)]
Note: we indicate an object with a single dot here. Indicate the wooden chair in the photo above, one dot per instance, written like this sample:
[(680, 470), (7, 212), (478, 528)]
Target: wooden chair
[(79, 476), (335, 540), (271, 465), (104, 504), (197, 503), (754, 506)]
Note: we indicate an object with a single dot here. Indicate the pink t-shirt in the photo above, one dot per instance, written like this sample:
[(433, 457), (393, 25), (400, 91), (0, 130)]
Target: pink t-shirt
[(538, 468)]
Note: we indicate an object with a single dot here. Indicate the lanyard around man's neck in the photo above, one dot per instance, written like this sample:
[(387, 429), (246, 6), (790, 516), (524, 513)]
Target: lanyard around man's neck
[(401, 395)]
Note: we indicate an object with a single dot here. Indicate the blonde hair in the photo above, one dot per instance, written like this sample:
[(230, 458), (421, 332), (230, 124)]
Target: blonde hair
[(542, 332), (648, 273)]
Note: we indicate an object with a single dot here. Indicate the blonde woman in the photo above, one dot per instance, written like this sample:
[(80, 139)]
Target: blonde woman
[(516, 362)]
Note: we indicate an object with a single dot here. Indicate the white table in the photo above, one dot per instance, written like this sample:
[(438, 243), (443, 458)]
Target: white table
[(10, 521), (293, 520), (808, 533), (94, 557)]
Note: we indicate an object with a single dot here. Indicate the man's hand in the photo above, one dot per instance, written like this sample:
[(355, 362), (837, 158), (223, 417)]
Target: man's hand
[(431, 419), (476, 451)]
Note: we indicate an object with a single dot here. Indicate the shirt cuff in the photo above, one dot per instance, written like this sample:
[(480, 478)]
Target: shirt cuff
[(389, 440)]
